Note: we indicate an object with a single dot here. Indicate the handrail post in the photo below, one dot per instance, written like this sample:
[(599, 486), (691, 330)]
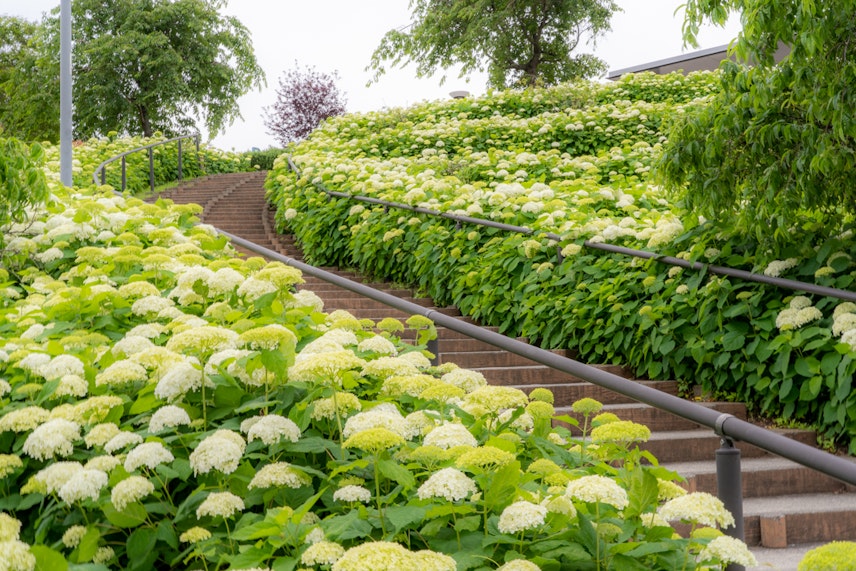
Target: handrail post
[(179, 160), (198, 156), (104, 174), (729, 487), (152, 169), (124, 173), (434, 348)]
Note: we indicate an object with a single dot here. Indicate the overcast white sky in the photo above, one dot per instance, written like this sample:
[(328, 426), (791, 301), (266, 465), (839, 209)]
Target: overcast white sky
[(340, 35)]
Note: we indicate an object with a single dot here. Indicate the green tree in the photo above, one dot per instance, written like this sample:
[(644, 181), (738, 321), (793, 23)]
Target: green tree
[(22, 182), (775, 149), (518, 42), (142, 66), (29, 92)]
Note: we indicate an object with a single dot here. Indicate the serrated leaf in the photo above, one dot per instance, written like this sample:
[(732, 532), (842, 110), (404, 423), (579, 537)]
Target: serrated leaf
[(396, 472)]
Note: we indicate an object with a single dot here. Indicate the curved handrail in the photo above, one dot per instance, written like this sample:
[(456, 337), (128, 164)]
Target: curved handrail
[(785, 283), (102, 168)]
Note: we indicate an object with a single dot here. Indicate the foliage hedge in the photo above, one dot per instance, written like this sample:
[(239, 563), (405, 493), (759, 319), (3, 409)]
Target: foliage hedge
[(167, 405), (87, 156), (577, 161)]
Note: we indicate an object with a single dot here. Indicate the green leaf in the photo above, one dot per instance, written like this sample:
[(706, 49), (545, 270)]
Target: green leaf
[(258, 530), (140, 547), (345, 527), (252, 557), (404, 516), (807, 366), (643, 493), (88, 545), (132, 516), (47, 559), (396, 472), (732, 341), (502, 487)]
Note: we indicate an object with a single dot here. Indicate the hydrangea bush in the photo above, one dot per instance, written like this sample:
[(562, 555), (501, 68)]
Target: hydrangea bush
[(87, 157), (165, 404), (576, 161)]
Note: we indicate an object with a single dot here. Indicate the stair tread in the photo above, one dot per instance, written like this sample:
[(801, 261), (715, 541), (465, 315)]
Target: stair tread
[(689, 469), (799, 503)]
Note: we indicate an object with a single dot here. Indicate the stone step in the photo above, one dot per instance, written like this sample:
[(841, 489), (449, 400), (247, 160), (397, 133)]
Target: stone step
[(799, 518), (765, 476), (701, 445), (481, 359), (565, 394), (656, 419)]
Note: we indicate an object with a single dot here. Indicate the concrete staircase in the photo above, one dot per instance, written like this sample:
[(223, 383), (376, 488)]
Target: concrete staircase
[(785, 504)]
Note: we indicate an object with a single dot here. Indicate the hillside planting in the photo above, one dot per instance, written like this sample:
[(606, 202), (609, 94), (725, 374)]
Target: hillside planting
[(165, 404), (577, 161)]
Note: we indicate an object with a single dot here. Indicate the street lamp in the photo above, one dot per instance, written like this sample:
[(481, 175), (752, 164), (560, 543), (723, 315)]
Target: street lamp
[(65, 108)]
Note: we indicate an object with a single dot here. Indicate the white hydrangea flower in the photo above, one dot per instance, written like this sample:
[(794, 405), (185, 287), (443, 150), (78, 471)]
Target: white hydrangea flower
[(62, 365), (71, 386), (53, 438), (220, 504), (521, 516), (130, 490), (85, 484), (105, 463), (307, 298), (450, 435), (728, 550), (131, 345), (352, 493), (57, 474), (322, 553), (168, 416), (181, 379), (698, 507), (148, 454), (72, 536), (776, 267), (416, 358), (279, 474), (465, 379), (121, 373), (378, 344), (273, 427), (122, 440), (151, 304), (222, 451), (100, 434), (518, 565), (15, 555), (24, 419), (384, 415), (449, 483), (598, 489)]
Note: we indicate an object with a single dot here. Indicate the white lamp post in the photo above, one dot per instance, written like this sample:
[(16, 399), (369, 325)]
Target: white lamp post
[(65, 109)]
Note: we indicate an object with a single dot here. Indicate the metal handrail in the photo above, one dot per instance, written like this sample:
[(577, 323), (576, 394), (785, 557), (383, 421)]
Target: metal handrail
[(102, 168), (785, 283), (728, 427)]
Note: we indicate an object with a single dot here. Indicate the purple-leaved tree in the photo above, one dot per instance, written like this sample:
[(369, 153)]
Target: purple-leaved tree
[(305, 97)]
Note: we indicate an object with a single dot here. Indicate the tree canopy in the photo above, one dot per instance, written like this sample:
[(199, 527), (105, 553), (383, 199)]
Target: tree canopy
[(776, 147), (22, 181), (304, 98), (519, 43), (141, 66), (29, 91)]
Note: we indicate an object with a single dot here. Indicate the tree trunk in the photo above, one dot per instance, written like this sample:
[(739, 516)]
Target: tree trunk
[(145, 122)]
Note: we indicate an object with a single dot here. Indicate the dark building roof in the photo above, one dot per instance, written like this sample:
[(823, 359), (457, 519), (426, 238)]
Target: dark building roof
[(707, 59)]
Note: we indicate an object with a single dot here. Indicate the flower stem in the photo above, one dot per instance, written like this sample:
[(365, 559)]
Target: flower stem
[(377, 496)]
